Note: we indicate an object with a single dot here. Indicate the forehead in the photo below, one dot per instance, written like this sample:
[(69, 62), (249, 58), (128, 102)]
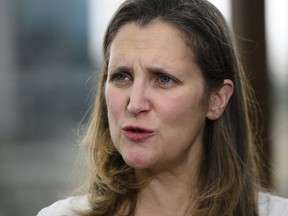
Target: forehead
[(156, 35)]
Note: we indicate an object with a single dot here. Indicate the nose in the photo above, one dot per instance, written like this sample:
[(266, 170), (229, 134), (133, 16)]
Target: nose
[(138, 102)]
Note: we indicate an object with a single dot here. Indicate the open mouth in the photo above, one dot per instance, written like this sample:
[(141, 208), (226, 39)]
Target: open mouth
[(137, 133), (137, 129)]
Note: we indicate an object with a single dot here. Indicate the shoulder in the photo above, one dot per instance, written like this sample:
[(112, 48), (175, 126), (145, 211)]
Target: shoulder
[(270, 205), (66, 207)]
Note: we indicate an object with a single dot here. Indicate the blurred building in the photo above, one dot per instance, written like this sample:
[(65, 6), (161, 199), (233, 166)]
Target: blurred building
[(49, 51), (44, 93), (49, 65)]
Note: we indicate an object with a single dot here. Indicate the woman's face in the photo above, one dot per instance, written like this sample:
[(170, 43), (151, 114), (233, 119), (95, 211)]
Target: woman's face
[(154, 94)]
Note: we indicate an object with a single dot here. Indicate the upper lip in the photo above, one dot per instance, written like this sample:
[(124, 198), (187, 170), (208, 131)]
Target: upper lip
[(137, 129)]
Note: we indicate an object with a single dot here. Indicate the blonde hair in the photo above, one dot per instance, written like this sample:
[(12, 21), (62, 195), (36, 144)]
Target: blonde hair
[(228, 180)]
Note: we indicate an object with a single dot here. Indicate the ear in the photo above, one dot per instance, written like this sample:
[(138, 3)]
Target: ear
[(219, 100)]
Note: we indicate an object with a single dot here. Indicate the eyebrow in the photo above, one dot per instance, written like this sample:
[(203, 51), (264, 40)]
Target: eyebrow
[(149, 69), (119, 68), (157, 70), (161, 70)]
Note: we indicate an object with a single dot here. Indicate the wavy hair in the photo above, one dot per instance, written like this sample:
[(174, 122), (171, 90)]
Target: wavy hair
[(228, 180)]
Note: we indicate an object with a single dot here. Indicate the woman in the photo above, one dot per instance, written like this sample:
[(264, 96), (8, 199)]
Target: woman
[(170, 132)]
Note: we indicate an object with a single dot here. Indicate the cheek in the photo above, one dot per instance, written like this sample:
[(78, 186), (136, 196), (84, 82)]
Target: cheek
[(112, 112), (184, 121), (183, 107), (113, 102)]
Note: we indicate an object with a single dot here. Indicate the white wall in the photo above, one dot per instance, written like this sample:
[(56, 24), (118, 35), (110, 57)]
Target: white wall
[(277, 52)]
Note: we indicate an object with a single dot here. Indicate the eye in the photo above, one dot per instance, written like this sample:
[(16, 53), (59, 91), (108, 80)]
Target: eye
[(164, 79), (120, 77)]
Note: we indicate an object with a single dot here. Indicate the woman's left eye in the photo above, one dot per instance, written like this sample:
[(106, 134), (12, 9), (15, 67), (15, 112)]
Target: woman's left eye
[(164, 79)]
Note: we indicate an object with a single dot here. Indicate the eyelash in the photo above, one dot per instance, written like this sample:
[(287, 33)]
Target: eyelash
[(118, 77), (170, 81)]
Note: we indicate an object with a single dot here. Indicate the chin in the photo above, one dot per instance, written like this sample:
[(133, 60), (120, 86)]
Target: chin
[(138, 157), (138, 162)]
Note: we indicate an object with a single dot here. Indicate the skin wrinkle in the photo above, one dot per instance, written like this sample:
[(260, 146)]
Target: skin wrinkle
[(212, 49), (167, 156)]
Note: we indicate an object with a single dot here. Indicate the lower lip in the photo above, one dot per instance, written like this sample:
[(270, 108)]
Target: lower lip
[(137, 136)]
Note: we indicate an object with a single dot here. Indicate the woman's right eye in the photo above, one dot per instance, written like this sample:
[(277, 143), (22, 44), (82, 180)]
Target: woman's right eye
[(119, 77)]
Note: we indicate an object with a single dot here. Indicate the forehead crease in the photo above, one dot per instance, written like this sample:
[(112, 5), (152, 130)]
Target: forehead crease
[(162, 41), (152, 31)]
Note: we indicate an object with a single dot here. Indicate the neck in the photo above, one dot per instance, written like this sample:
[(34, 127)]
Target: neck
[(172, 188), (167, 194)]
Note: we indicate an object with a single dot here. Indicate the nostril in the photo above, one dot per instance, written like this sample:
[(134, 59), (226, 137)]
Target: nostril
[(138, 105), (138, 101)]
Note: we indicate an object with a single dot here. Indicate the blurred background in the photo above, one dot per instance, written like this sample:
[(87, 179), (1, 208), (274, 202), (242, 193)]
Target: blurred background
[(49, 55)]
